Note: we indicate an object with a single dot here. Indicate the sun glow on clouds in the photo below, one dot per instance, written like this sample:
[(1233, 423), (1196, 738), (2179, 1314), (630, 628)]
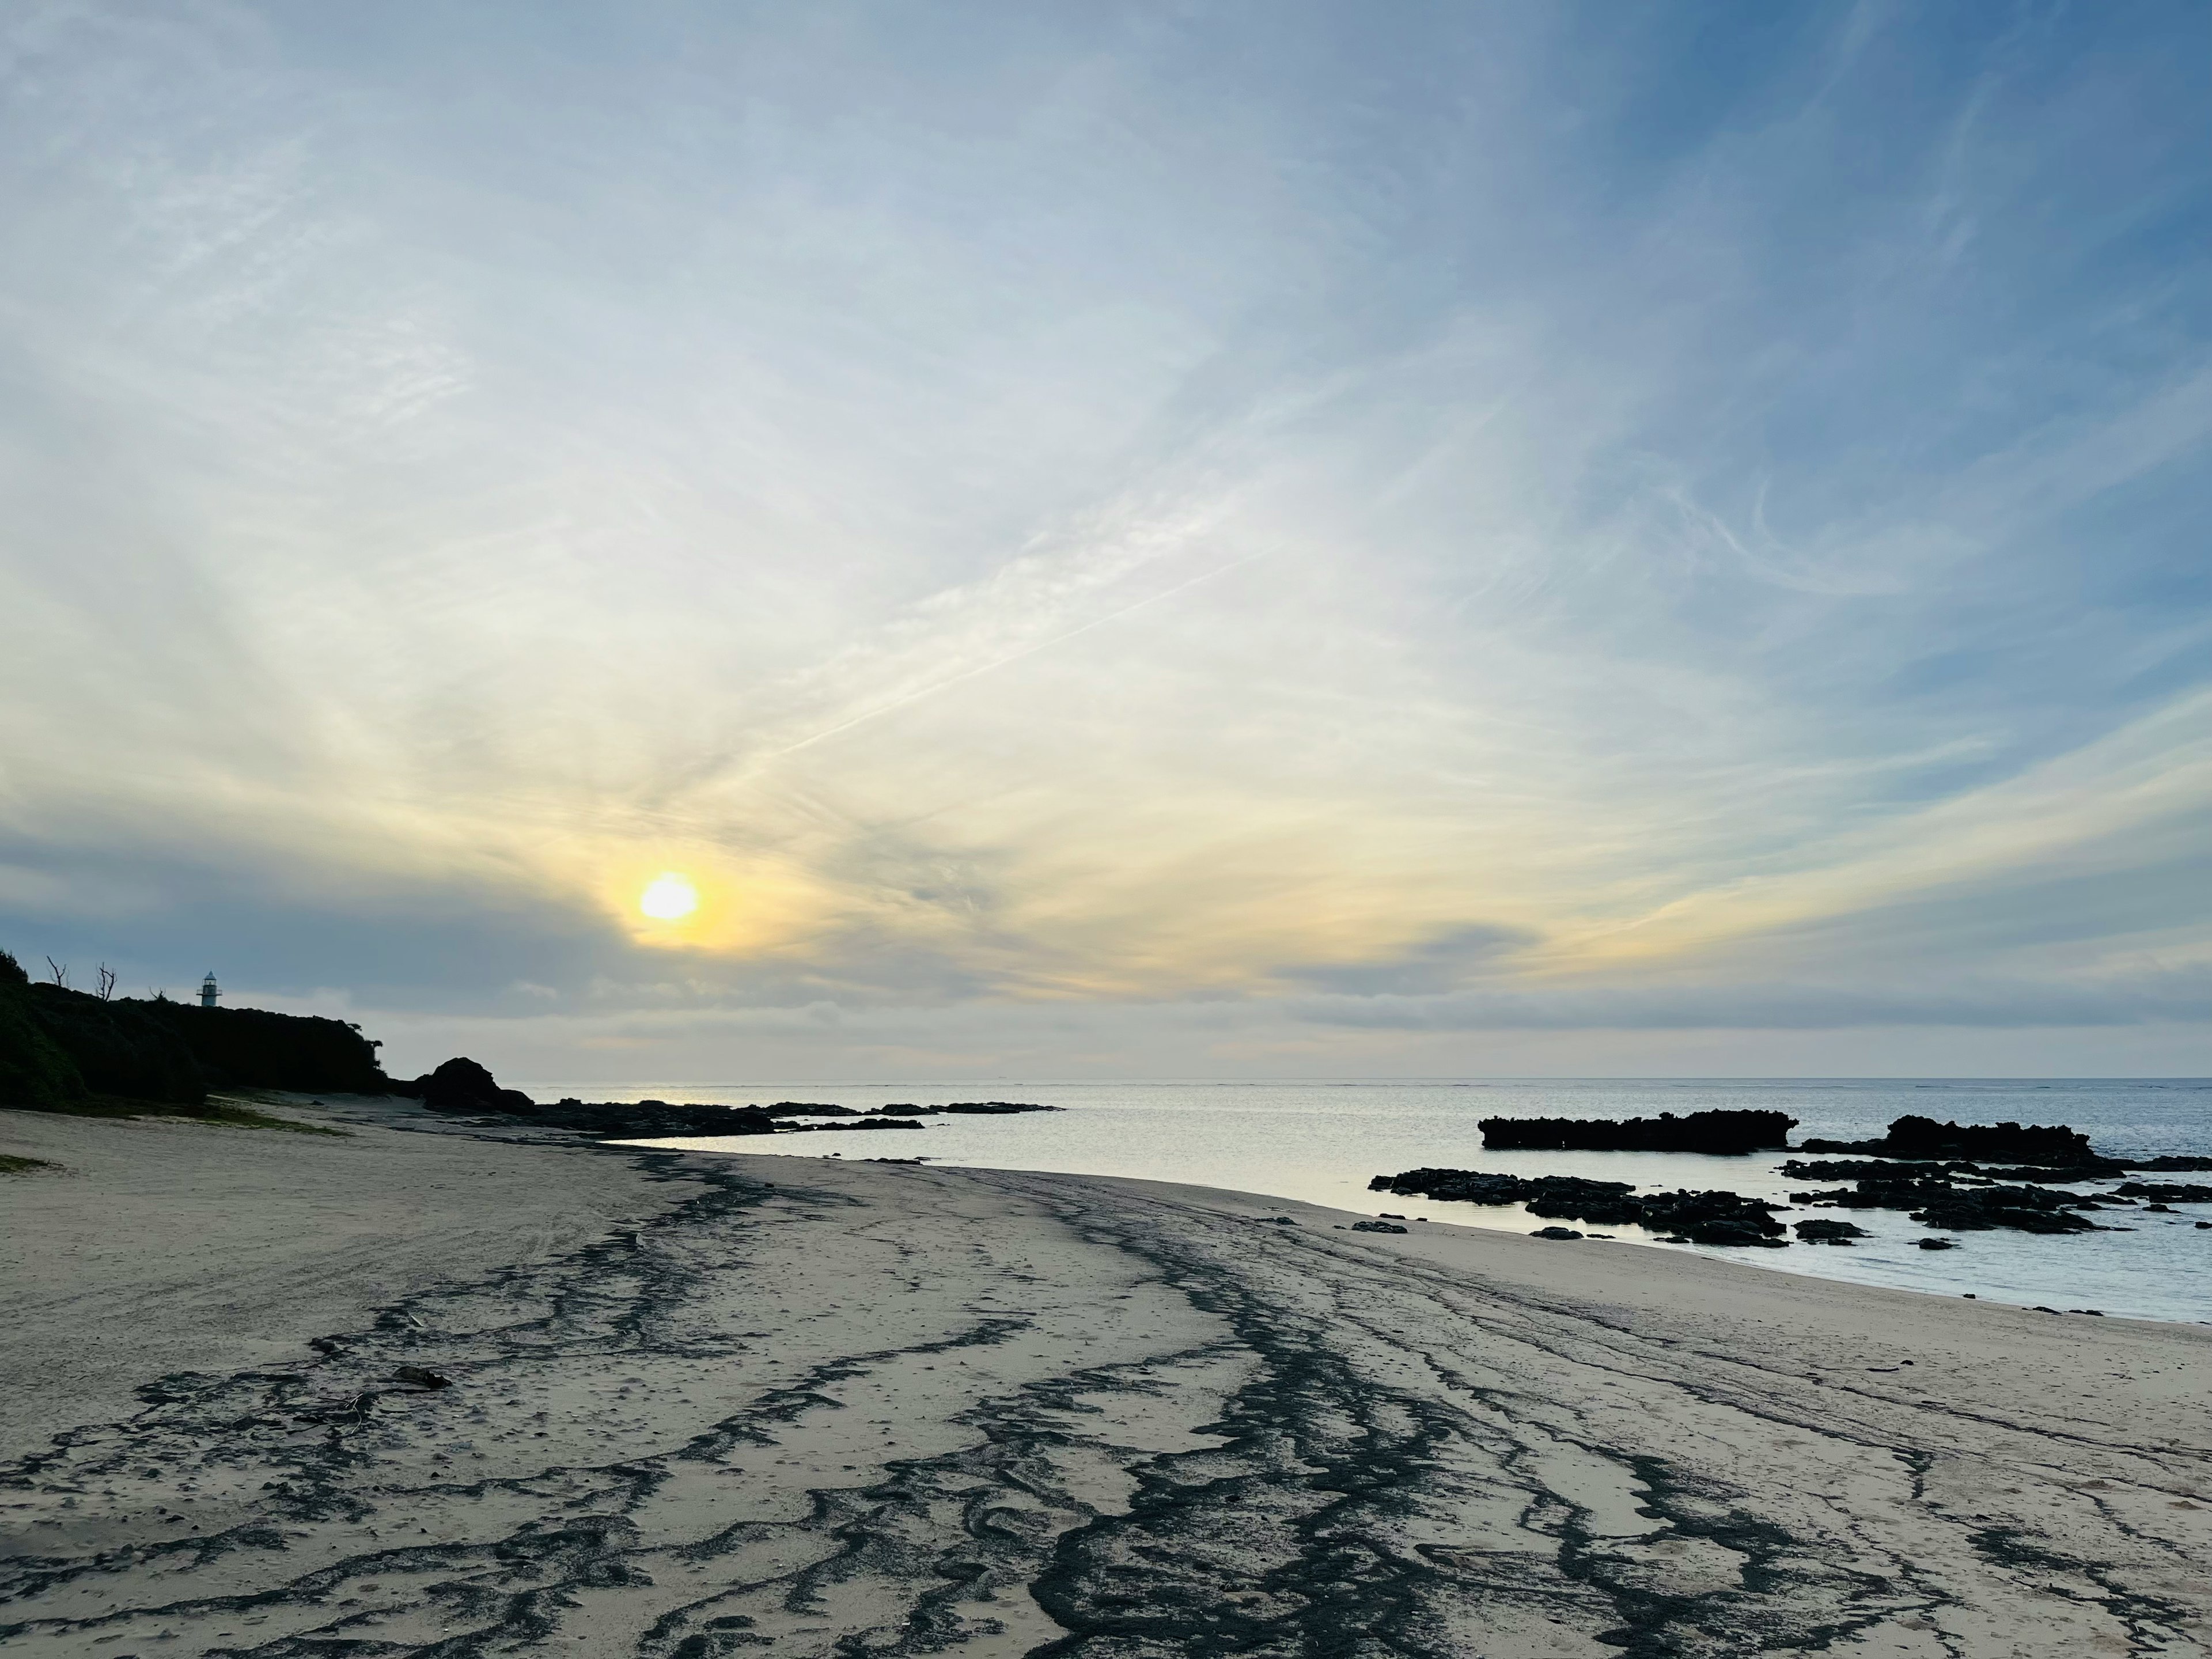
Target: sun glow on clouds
[(1196, 575)]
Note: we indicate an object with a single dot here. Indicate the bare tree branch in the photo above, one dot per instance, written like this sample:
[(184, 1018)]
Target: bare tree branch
[(106, 983), (60, 972)]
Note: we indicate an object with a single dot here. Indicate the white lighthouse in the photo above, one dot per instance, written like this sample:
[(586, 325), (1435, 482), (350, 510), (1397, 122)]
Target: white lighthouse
[(209, 991)]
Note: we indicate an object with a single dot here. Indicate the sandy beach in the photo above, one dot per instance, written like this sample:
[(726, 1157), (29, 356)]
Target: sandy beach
[(699, 1405)]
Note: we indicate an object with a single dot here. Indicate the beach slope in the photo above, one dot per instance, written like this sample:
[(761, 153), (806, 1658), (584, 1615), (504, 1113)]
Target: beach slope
[(712, 1405)]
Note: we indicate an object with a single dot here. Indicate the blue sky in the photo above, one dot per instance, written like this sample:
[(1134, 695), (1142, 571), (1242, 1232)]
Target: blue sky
[(1119, 540)]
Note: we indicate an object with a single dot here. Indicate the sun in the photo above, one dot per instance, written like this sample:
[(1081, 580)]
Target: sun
[(669, 897)]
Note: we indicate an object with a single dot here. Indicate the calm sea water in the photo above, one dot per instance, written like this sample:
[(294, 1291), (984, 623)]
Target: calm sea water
[(1321, 1142)]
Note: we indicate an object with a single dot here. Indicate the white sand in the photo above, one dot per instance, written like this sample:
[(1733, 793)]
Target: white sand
[(886, 1409)]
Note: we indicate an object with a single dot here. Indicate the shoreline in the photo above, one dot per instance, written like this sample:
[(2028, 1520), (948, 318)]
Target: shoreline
[(700, 1404)]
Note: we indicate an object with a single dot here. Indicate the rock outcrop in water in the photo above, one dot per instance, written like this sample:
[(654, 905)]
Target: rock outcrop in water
[(2047, 1146), (1701, 1218), (1828, 1232), (463, 1086), (1726, 1133), (2165, 1192), (1938, 1203)]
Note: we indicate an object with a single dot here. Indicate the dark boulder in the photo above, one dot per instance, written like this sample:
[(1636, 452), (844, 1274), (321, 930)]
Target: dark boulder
[(1376, 1227), (463, 1086), (2171, 1166), (1829, 1232), (1936, 1244), (1555, 1233)]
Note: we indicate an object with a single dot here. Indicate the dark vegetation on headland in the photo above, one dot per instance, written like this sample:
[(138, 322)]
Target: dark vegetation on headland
[(1925, 1168), (464, 1087), (1728, 1133), (63, 1050)]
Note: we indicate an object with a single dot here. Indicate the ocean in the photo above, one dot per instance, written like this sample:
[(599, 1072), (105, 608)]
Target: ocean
[(1321, 1141)]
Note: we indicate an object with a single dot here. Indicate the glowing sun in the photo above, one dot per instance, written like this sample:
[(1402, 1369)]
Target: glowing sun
[(669, 897)]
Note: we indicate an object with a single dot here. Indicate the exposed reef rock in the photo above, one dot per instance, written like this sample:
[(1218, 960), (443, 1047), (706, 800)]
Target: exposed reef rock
[(975, 1109), (1705, 1218), (1566, 1196), (1867, 1169), (2165, 1192), (1964, 1209), (1728, 1133), (2052, 1146)]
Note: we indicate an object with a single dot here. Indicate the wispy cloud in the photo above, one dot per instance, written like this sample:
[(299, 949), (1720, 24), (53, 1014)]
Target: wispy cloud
[(1111, 529)]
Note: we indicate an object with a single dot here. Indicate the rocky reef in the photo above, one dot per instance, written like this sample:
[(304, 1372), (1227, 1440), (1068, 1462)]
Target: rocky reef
[(1729, 1133), (465, 1086), (2047, 1146), (1942, 1203), (1698, 1218)]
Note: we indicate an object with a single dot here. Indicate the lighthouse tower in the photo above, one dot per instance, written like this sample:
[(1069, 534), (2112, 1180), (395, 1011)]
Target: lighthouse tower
[(209, 991)]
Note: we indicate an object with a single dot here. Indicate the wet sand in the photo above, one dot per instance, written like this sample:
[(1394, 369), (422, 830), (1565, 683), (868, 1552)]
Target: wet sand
[(704, 1406)]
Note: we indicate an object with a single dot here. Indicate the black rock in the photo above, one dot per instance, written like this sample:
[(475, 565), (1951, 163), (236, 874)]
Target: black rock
[(1712, 1217), (1555, 1233), (1939, 1203), (1829, 1232), (2172, 1166), (1725, 1132), (2166, 1192), (463, 1086), (1935, 1243), (1379, 1227), (2052, 1146), (1866, 1168), (2021, 1209), (1706, 1218)]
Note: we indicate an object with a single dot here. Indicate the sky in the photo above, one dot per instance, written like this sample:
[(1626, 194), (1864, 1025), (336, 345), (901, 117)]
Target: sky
[(1119, 540)]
